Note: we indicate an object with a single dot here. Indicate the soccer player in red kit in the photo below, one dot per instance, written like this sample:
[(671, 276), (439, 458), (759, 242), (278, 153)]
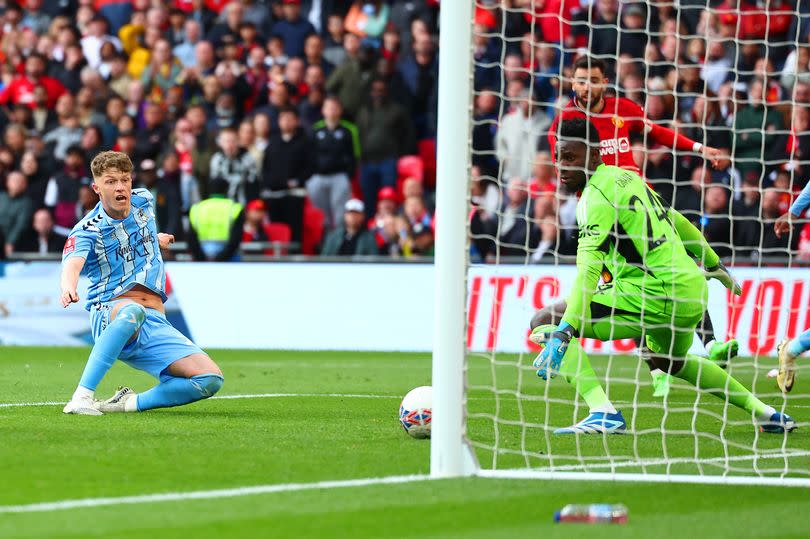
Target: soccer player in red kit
[(616, 118)]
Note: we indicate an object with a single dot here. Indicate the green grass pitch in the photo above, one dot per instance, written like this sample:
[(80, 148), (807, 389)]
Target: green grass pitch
[(331, 429)]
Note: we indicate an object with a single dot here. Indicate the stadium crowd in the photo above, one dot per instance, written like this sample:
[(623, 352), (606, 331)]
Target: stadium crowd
[(312, 123), (727, 74)]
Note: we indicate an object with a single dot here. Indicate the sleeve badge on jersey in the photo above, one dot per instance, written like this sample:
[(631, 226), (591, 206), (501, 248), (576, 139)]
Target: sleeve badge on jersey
[(617, 121), (70, 245)]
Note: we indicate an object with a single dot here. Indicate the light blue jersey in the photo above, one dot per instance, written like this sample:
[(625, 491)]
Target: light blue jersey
[(119, 254), (801, 202)]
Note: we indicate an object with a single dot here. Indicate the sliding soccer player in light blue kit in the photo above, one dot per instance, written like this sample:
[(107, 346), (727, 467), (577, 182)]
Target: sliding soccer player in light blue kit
[(790, 349), (118, 248)]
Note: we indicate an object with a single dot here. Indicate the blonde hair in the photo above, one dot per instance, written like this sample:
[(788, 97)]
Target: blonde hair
[(110, 160)]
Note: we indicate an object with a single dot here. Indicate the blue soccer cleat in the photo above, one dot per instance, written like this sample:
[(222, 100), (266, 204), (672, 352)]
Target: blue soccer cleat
[(597, 423), (778, 423)]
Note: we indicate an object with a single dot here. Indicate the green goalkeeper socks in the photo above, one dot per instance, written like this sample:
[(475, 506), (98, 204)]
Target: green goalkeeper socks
[(707, 375), (577, 371)]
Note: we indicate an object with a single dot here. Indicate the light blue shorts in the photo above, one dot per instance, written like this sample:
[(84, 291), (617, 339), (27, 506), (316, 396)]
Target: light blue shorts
[(157, 346)]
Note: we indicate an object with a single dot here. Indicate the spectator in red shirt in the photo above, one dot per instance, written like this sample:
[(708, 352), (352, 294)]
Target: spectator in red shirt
[(386, 207), (553, 18), (757, 20), (21, 89), (256, 223), (259, 228)]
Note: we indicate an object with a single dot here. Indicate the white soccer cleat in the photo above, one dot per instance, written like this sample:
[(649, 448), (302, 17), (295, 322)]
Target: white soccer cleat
[(81, 406), (787, 367), (597, 423), (118, 402)]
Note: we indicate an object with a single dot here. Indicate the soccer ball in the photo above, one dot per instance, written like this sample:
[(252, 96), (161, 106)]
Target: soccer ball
[(415, 412)]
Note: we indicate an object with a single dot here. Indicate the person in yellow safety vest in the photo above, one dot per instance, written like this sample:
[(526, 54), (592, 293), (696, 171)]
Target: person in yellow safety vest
[(216, 225)]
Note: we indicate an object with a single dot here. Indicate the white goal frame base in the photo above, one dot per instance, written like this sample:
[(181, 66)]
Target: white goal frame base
[(647, 478)]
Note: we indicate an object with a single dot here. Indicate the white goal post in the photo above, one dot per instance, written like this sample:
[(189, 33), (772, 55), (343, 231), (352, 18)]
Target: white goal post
[(696, 440), (449, 452)]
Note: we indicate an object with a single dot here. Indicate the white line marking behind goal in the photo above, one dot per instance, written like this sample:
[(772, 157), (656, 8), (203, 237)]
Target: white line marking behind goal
[(674, 460)]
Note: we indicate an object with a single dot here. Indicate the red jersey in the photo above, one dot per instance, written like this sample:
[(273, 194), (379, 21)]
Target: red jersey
[(618, 119), (20, 91)]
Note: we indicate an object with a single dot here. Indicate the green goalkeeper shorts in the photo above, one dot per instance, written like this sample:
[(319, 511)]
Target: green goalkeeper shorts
[(620, 310)]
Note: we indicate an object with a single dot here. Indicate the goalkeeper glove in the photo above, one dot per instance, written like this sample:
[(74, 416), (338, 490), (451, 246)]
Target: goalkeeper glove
[(720, 272), (549, 360)]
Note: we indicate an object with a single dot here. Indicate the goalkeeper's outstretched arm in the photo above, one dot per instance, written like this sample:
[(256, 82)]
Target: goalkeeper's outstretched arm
[(693, 240), (698, 247)]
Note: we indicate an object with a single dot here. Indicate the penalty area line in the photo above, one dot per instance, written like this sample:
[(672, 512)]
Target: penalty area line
[(208, 494)]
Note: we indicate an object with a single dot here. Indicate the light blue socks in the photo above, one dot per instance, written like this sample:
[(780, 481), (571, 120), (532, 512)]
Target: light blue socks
[(800, 344), (173, 391), (110, 343)]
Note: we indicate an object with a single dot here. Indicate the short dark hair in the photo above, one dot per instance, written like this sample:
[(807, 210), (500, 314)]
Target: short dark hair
[(580, 129), (76, 150), (288, 109), (587, 62), (331, 97), (38, 56), (218, 186)]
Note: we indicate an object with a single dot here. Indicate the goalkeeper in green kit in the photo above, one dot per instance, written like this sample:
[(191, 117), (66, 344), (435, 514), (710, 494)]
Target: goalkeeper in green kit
[(658, 292)]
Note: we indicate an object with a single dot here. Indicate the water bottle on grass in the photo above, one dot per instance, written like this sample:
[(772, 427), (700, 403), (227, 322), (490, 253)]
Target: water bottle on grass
[(595, 513)]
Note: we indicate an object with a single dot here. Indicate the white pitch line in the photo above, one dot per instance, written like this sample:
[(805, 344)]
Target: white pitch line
[(370, 396), (283, 395), (20, 404), (252, 396), (207, 494)]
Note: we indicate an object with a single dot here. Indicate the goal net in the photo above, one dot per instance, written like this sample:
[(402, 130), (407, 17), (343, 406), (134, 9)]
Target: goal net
[(729, 75)]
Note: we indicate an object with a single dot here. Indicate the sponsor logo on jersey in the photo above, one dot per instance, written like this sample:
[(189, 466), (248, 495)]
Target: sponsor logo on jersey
[(588, 230), (70, 245), (613, 146), (134, 244), (617, 121)]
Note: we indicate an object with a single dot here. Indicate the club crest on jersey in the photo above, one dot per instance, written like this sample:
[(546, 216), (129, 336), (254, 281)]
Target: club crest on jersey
[(617, 121), (142, 216)]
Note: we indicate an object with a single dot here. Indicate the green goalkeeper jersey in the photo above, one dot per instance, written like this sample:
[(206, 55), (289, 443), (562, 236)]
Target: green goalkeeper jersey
[(626, 228)]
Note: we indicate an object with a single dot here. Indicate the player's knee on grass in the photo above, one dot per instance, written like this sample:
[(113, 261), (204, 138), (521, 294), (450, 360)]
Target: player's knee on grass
[(550, 314), (207, 384)]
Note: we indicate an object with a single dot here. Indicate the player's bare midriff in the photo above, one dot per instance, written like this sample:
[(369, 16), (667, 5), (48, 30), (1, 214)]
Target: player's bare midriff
[(142, 295)]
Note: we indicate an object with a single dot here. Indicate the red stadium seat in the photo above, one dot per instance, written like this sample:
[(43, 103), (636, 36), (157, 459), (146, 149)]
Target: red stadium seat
[(314, 220), (409, 166), (279, 232), (427, 151)]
